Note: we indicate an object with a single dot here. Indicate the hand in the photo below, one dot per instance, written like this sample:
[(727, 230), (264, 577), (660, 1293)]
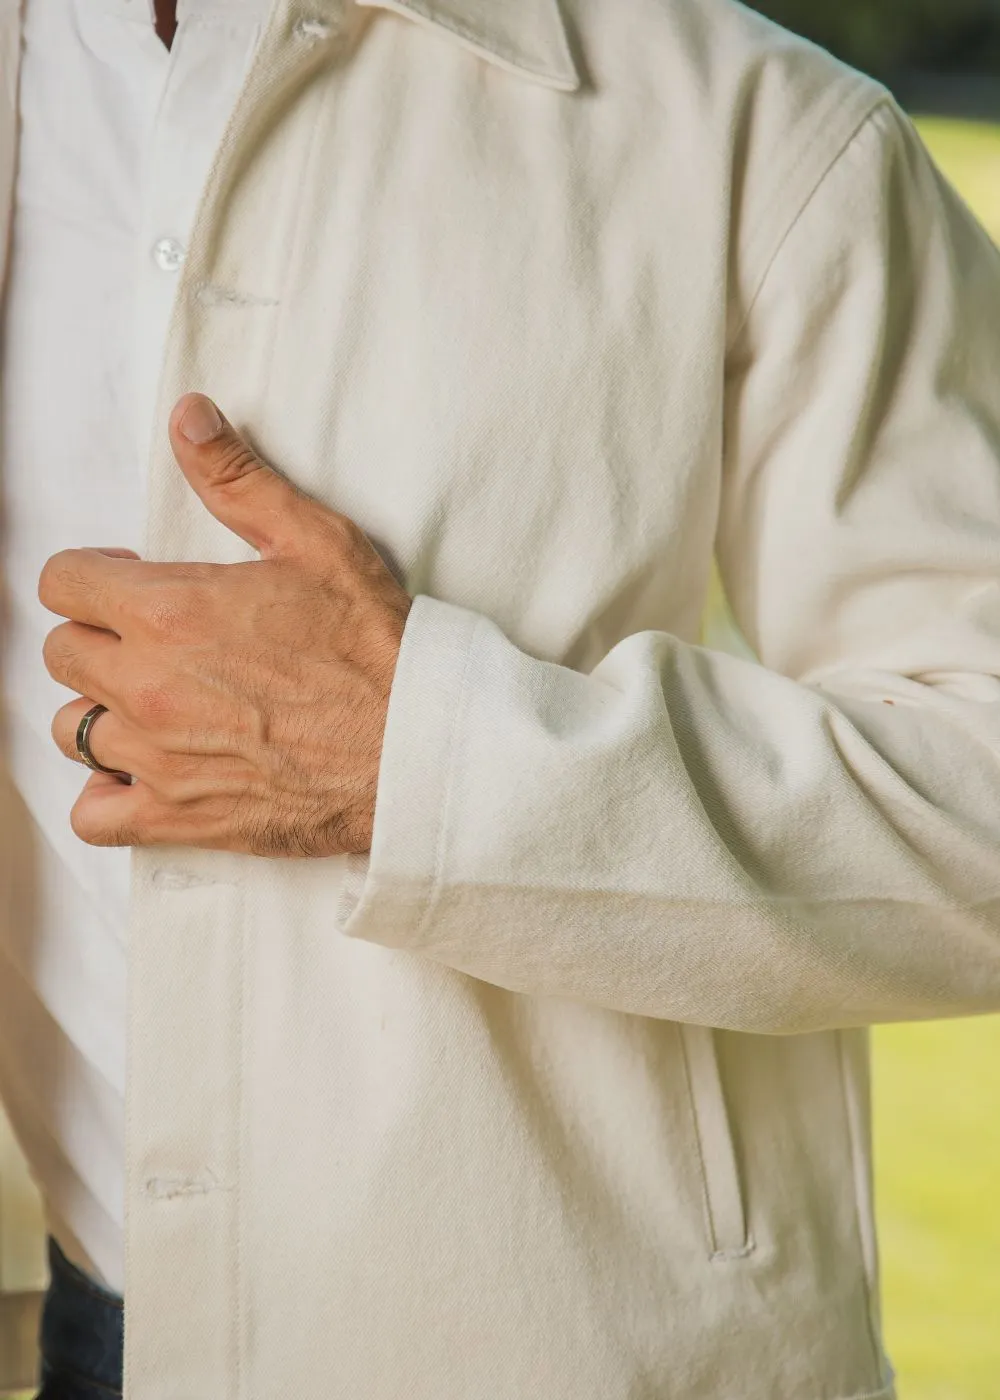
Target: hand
[(247, 700)]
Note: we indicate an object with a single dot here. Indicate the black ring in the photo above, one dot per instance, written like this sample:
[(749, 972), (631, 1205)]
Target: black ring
[(83, 744)]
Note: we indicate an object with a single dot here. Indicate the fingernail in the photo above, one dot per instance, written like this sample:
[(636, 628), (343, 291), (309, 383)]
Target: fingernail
[(201, 421)]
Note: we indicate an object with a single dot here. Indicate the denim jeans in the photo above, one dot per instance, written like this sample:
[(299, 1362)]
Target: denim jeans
[(80, 1336)]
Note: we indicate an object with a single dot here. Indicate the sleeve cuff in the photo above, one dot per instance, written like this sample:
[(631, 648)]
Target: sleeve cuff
[(388, 893)]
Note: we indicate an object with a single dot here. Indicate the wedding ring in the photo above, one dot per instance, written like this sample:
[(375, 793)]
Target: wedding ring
[(83, 744)]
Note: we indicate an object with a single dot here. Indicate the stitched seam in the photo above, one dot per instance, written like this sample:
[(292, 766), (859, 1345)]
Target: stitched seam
[(498, 50), (804, 206), (824, 114), (459, 712)]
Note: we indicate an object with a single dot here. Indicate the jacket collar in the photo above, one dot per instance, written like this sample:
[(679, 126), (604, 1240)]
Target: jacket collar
[(527, 37)]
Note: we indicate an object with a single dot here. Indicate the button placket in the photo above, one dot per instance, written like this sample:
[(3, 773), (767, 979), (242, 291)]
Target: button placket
[(189, 122), (195, 961)]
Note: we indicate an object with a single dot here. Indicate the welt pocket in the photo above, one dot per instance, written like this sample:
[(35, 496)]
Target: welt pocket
[(722, 1189)]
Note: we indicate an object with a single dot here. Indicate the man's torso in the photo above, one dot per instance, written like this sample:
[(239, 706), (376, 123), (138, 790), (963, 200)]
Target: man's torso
[(486, 315)]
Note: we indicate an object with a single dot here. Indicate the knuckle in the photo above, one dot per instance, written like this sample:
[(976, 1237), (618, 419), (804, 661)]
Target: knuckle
[(171, 612), (150, 700), (346, 536), (175, 770), (63, 572), (59, 659), (84, 825), (50, 649), (232, 461), (64, 742), (331, 834), (53, 573), (79, 823), (166, 615), (134, 828), (387, 627)]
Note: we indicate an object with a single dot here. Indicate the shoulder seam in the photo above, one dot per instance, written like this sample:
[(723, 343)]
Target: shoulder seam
[(884, 100)]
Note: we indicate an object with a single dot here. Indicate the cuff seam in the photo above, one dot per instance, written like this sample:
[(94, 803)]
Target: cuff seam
[(454, 733)]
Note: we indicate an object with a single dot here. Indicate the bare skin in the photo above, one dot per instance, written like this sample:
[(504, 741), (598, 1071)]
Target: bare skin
[(248, 701)]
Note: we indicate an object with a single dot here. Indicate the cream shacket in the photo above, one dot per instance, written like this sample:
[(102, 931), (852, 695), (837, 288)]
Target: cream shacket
[(562, 1091)]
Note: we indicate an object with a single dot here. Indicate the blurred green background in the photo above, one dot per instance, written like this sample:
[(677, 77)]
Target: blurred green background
[(937, 1101), (889, 36)]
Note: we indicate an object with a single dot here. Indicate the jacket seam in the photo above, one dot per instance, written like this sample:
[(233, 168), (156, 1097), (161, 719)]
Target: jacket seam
[(818, 184)]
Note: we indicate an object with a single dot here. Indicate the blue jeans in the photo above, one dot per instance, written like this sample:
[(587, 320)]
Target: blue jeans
[(80, 1336)]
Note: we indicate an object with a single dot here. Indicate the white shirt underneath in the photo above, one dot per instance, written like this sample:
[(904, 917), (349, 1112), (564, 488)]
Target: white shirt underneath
[(117, 135)]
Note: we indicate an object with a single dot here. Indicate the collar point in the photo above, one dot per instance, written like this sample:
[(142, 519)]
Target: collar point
[(524, 37)]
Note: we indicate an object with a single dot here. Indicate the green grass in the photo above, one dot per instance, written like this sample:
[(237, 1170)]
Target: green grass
[(969, 154), (937, 1101), (937, 1155)]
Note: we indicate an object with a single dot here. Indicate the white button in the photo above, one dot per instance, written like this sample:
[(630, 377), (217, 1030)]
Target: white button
[(169, 254)]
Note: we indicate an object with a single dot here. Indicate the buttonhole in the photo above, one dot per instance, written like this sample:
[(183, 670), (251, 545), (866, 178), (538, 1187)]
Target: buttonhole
[(165, 1187), (312, 28), (180, 880)]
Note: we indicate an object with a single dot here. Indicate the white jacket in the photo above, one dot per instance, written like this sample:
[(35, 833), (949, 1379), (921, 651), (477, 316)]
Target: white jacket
[(562, 1092)]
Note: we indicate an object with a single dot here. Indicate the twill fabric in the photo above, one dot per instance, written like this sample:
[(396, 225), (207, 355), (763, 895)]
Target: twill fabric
[(562, 1090)]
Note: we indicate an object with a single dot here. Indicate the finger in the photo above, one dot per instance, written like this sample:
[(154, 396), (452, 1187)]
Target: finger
[(112, 813), (244, 493), (90, 585), (108, 738), (85, 659)]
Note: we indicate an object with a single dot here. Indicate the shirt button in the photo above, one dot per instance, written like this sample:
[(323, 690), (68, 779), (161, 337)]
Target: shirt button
[(169, 254)]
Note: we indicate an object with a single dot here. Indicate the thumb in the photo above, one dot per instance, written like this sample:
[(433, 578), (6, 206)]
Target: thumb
[(240, 490)]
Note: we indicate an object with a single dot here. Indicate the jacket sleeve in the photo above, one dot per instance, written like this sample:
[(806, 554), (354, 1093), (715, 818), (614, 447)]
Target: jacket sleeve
[(802, 840)]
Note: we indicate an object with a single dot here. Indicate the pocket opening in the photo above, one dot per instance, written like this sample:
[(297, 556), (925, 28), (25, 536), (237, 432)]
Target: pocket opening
[(725, 1213)]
